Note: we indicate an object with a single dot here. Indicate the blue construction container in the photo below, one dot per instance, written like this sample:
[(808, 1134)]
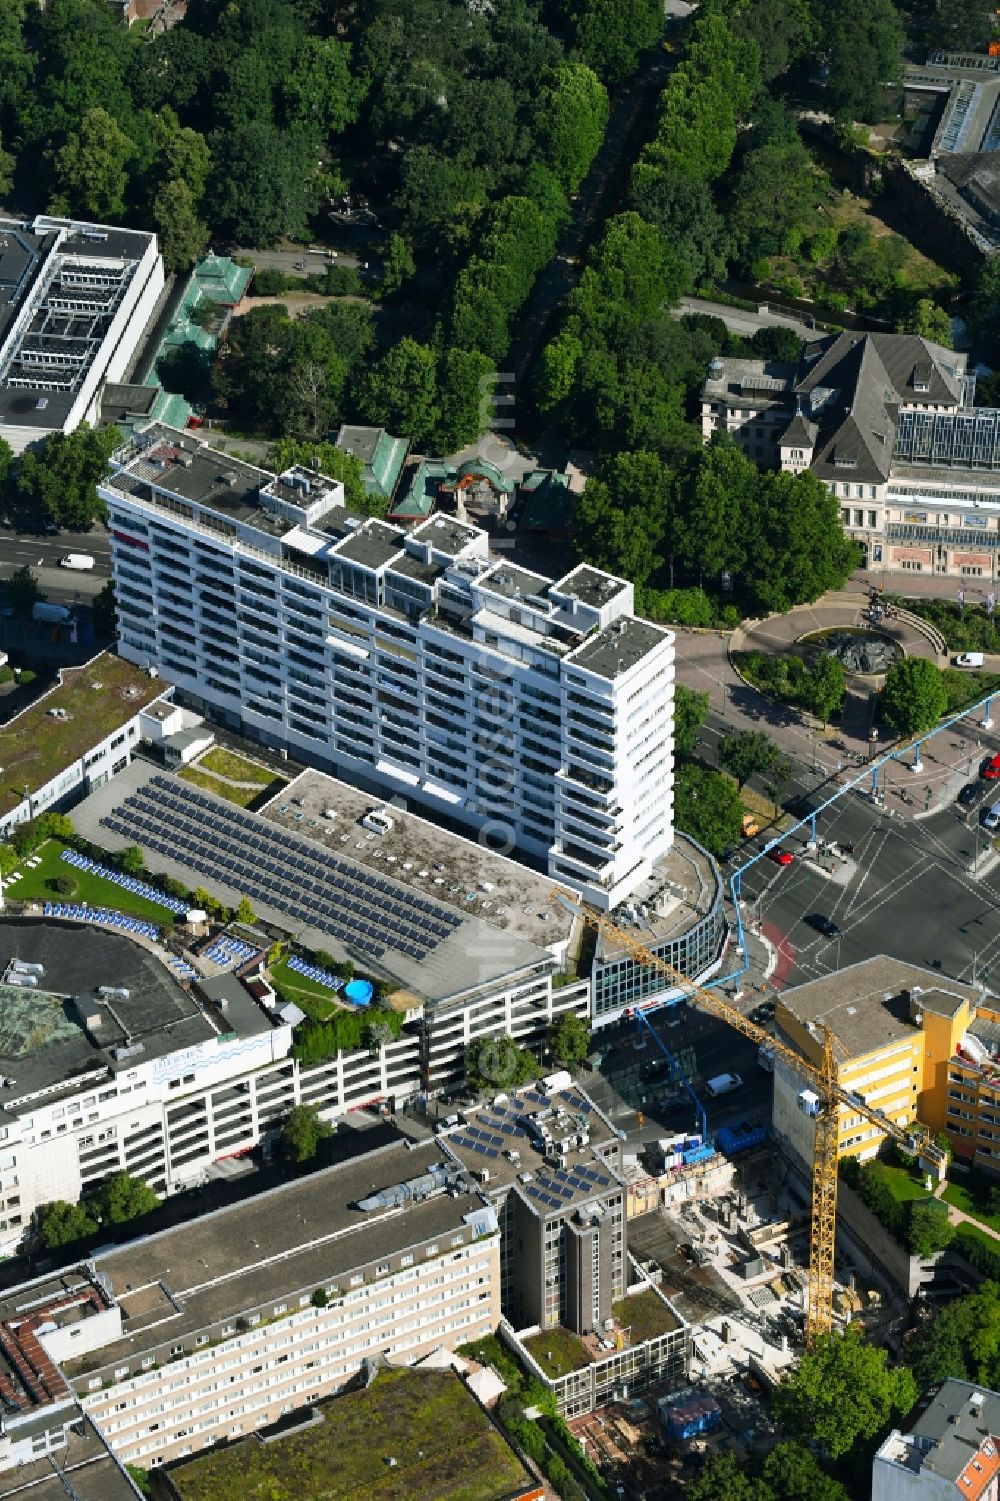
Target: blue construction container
[(735, 1139)]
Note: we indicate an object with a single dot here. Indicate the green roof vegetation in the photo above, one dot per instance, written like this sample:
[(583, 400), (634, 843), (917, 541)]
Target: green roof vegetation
[(646, 1315), (443, 1444), (317, 1001), (97, 699), (557, 1352), (241, 796), (235, 767)]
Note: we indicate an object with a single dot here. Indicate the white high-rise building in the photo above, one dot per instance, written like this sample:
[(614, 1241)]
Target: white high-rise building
[(537, 711)]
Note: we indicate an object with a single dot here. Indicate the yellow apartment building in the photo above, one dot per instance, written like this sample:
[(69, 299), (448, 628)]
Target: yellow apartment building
[(911, 1042)]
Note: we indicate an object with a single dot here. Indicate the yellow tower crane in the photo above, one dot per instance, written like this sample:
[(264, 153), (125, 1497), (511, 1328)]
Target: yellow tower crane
[(831, 1095)]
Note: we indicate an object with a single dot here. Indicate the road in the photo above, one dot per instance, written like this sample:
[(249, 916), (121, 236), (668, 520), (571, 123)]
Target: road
[(740, 320), (42, 554), (287, 261)]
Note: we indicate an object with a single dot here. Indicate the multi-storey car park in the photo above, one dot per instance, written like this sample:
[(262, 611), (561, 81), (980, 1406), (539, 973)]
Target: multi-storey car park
[(538, 712), (75, 301)]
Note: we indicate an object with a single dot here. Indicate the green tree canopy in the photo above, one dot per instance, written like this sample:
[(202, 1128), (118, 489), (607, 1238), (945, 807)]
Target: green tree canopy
[(302, 1130), (612, 34), (499, 1063), (60, 1224), (570, 116), (928, 319), (793, 1473), (621, 515), (914, 697), (930, 1229), (121, 1198), (569, 1039), (707, 806), (748, 754), (863, 42), (327, 459), (465, 390), (57, 481), (23, 591), (690, 711), (842, 1393), (962, 1339), (400, 391), (825, 687), (91, 170)]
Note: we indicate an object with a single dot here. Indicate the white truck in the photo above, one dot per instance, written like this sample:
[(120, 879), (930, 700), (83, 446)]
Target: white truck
[(80, 562)]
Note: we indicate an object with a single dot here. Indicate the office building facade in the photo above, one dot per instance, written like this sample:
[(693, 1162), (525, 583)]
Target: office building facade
[(538, 712)]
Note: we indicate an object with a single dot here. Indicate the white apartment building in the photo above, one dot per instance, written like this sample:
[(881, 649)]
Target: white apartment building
[(887, 421), (537, 712), (75, 301), (221, 1326)]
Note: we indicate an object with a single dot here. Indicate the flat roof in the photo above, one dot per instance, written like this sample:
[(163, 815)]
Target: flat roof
[(442, 1445), (186, 467), (683, 887), (590, 585), (619, 647), (85, 1461), (262, 1249), (96, 699), (510, 1138), (445, 534), (867, 1005), (517, 930), (43, 1042), (370, 545), (54, 320), (514, 583)]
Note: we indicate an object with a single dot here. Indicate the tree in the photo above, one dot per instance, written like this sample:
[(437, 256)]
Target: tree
[(961, 1340), (60, 1224), (777, 344), (465, 391), (712, 497), (91, 174), (723, 1477), (793, 532), (8, 166), (183, 236), (23, 591), (122, 1198), (842, 1393), (707, 806), (777, 189), (301, 1133), (793, 1473), (863, 43), (398, 265), (131, 860), (611, 35), (570, 117), (621, 516), (929, 320), (499, 1063), (400, 392), (103, 607), (245, 913), (683, 210), (825, 687), (690, 710), (748, 754), (264, 182), (930, 1229), (914, 697), (569, 1039), (327, 459), (58, 481), (963, 25)]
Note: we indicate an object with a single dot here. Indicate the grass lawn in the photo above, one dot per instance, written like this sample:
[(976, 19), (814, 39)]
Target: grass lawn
[(973, 1202), (444, 1446), (242, 796), (316, 1001), (237, 768), (989, 1241), (646, 1314), (557, 1351), (95, 890), (901, 1183)]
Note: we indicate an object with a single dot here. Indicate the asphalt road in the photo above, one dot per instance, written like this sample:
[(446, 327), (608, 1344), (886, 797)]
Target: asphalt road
[(42, 554), (910, 891)]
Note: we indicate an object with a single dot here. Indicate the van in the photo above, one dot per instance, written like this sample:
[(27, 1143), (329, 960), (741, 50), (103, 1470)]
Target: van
[(722, 1084), (970, 659), (81, 562), (990, 817)]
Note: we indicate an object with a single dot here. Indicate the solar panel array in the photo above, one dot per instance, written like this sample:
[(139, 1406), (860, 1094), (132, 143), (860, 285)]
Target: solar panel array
[(364, 912), (490, 1132)]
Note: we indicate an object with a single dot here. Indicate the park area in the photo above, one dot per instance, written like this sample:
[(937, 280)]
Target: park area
[(36, 883), (411, 1434)]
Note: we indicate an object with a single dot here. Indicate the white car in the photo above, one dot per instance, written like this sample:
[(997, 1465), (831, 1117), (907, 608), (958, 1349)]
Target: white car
[(970, 659)]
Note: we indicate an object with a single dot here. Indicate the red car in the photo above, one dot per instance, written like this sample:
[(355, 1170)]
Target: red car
[(991, 771), (783, 857)]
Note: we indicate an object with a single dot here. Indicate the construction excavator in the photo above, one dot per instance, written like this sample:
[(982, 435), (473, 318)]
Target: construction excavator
[(823, 1103)]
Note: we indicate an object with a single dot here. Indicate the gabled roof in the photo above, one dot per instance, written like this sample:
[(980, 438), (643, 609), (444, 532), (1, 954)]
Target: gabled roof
[(801, 430)]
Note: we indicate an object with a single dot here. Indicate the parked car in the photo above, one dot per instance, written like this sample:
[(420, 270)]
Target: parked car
[(991, 770), (823, 924), (968, 794), (785, 857)]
